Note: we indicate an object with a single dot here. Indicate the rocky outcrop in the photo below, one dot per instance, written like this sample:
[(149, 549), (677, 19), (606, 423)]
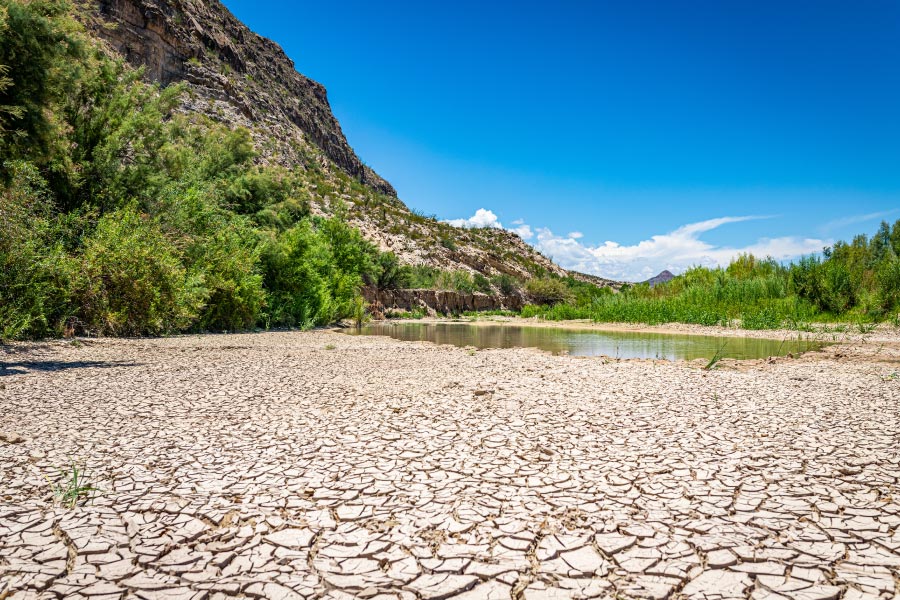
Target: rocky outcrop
[(441, 301), (224, 63)]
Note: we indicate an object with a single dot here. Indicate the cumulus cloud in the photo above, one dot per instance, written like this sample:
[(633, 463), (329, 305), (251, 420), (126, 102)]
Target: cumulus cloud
[(487, 218), (524, 231), (675, 251), (481, 218)]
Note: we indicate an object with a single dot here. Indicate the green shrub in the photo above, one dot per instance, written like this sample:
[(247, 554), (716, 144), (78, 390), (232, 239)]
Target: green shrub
[(35, 271), (764, 318), (297, 266), (456, 281), (482, 284), (131, 280), (391, 275), (223, 251), (40, 51), (547, 291), (888, 279), (229, 271), (506, 284)]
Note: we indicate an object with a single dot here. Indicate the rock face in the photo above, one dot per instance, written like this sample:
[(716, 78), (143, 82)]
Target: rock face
[(441, 301), (204, 45)]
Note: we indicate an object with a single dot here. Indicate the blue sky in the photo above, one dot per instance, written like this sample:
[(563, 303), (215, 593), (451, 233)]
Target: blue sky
[(624, 122)]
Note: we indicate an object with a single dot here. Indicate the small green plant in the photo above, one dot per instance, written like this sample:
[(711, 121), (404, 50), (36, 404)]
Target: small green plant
[(330, 346), (865, 327), (73, 486), (360, 315), (506, 284), (720, 353)]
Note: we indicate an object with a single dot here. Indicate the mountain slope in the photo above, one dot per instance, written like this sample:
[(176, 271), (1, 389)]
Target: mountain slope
[(661, 278), (237, 76), (240, 78)]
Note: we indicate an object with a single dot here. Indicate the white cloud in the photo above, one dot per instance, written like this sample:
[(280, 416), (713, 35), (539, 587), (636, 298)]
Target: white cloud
[(481, 218), (524, 231), (487, 218), (675, 251), (854, 219)]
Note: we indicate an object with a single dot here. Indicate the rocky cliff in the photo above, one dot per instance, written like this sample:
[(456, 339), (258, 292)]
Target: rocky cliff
[(233, 73), (237, 77)]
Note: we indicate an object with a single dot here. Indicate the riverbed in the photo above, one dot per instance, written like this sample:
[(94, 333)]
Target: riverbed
[(318, 464)]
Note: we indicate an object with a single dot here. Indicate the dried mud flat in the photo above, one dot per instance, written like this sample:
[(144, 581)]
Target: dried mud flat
[(288, 465)]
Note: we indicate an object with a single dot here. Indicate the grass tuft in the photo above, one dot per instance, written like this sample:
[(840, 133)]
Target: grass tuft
[(714, 361), (73, 486)]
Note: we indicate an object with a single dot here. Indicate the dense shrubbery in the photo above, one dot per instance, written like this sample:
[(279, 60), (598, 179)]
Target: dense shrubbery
[(858, 282), (118, 216), (548, 291)]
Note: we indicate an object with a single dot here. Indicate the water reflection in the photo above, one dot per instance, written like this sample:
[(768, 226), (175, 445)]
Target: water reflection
[(620, 344)]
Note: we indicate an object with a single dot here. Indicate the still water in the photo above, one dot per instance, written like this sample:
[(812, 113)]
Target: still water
[(621, 344)]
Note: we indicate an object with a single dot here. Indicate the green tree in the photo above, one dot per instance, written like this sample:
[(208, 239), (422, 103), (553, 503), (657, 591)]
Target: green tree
[(42, 52), (35, 271)]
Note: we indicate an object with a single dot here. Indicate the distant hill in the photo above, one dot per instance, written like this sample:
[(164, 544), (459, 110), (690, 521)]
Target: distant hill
[(661, 278)]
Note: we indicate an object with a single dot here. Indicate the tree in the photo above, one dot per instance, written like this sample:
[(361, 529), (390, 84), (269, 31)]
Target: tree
[(42, 49)]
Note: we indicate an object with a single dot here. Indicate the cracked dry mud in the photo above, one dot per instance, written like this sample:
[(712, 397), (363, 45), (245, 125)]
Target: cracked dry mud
[(299, 465)]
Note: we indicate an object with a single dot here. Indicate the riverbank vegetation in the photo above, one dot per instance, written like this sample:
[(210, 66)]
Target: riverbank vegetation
[(856, 282), (120, 215)]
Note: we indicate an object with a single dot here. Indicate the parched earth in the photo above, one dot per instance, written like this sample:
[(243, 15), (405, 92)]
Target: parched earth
[(289, 465)]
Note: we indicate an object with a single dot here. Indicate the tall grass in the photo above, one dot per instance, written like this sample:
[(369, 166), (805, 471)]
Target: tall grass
[(753, 293)]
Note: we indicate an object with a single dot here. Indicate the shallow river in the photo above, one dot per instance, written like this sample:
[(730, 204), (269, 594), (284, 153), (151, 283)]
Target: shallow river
[(620, 344)]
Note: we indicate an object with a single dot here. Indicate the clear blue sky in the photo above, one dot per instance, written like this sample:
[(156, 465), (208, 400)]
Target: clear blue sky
[(619, 120)]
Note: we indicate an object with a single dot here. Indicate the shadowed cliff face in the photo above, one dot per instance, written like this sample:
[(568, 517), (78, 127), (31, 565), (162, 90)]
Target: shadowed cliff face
[(235, 75)]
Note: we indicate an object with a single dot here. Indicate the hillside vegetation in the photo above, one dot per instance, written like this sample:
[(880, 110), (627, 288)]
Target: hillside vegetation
[(120, 216), (242, 80)]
